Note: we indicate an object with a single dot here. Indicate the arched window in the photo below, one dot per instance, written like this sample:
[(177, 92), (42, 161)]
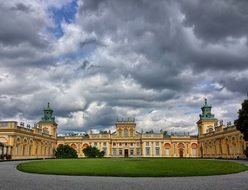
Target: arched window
[(167, 149), (180, 145), (85, 145), (74, 146)]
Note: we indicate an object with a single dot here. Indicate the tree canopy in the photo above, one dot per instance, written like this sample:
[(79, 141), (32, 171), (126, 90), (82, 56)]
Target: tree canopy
[(65, 151), (93, 152), (242, 121)]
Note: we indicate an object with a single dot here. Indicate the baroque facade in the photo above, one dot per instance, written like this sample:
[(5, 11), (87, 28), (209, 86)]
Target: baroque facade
[(213, 140), (216, 140), (19, 142), (127, 142)]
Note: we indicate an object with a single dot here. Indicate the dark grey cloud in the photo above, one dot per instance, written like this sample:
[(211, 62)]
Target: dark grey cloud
[(20, 26), (22, 7), (215, 20), (153, 60)]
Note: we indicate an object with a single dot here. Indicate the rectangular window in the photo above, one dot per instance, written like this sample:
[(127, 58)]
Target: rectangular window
[(157, 151), (131, 144), (147, 143), (147, 151), (125, 133), (114, 152), (125, 144), (95, 143), (104, 144), (114, 144), (157, 143), (131, 152), (137, 144), (120, 152), (131, 133), (120, 144), (137, 151)]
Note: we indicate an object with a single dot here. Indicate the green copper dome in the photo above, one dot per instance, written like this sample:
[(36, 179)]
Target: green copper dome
[(48, 114), (206, 112)]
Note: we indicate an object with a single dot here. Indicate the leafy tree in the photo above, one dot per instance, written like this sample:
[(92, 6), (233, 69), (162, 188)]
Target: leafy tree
[(242, 121), (65, 151), (93, 152)]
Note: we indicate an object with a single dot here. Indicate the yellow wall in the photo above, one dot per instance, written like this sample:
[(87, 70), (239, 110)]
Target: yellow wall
[(27, 143), (222, 142)]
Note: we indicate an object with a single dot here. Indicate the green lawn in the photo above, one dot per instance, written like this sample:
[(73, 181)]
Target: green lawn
[(133, 167)]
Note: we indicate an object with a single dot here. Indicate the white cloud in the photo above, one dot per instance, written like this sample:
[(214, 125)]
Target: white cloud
[(118, 59)]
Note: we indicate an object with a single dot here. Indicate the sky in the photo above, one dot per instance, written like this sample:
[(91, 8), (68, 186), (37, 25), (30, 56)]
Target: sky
[(99, 60)]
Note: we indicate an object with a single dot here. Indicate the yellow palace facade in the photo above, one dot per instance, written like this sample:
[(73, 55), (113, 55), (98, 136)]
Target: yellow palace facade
[(127, 142), (19, 142), (213, 141)]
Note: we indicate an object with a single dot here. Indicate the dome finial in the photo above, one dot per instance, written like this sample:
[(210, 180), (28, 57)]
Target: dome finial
[(206, 102)]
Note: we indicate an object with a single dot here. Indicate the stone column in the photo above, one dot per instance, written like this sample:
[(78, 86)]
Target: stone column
[(152, 149)]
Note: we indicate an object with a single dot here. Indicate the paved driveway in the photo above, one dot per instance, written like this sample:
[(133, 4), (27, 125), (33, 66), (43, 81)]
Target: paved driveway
[(11, 179)]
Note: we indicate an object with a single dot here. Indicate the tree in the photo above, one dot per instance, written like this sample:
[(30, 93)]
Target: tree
[(93, 152), (242, 121), (65, 151)]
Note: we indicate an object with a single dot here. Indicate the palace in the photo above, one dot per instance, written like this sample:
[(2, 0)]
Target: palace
[(214, 140)]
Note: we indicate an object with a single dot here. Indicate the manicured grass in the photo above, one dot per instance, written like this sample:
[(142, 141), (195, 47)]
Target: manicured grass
[(132, 167)]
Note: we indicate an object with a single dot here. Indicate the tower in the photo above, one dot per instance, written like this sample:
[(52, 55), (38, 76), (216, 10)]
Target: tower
[(125, 128), (207, 122), (47, 123)]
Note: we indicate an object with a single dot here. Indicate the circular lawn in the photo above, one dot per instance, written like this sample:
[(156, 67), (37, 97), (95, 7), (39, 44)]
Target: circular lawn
[(132, 167)]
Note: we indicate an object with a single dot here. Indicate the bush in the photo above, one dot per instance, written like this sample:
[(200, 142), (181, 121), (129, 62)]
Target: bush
[(65, 151), (93, 152)]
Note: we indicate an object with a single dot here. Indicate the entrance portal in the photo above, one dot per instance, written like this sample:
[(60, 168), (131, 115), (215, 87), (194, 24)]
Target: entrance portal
[(126, 153), (181, 152)]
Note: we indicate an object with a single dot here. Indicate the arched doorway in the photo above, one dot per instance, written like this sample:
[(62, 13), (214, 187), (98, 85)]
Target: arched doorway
[(167, 149), (180, 149), (181, 152), (74, 146), (85, 145), (126, 153)]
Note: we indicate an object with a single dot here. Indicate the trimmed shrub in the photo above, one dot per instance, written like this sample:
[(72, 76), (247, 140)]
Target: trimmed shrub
[(65, 151)]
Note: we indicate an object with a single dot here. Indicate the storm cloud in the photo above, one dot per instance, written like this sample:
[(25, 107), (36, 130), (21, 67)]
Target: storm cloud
[(98, 60)]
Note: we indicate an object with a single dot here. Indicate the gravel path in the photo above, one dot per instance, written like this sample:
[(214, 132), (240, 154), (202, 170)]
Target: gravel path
[(11, 179)]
